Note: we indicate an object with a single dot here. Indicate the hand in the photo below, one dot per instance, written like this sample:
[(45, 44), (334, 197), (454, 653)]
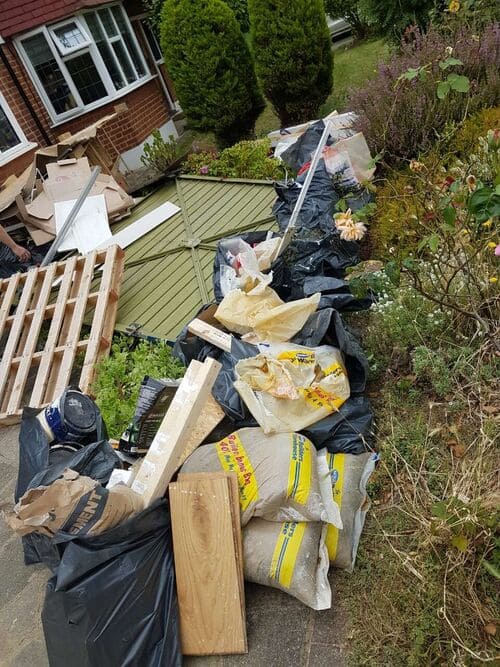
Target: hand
[(23, 254)]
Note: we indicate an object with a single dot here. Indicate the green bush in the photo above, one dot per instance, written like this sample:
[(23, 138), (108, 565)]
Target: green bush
[(293, 57), (211, 66), (119, 376), (348, 10), (240, 9), (159, 154), (247, 159), (391, 17)]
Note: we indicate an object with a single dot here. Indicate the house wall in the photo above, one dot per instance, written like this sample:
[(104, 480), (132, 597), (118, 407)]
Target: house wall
[(147, 109)]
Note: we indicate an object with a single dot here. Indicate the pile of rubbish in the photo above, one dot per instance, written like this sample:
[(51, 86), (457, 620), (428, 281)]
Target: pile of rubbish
[(252, 467)]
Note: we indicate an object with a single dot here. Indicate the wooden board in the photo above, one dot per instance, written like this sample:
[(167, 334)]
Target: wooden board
[(211, 416), (165, 452), (144, 225), (211, 334), (234, 495), (37, 365), (207, 565)]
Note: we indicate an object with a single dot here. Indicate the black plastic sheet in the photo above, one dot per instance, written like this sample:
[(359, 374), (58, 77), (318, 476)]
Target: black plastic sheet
[(112, 600)]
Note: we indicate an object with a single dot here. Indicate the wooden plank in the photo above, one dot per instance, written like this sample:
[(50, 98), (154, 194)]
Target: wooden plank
[(29, 346), (162, 459), (15, 332), (211, 334), (211, 415), (143, 226), (234, 495), (206, 566), (104, 314), (42, 377), (50, 309), (75, 328), (8, 300)]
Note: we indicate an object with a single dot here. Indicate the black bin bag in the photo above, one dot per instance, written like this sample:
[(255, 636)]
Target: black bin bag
[(112, 601), (39, 464)]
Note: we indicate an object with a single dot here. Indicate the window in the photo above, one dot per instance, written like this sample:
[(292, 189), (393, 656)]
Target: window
[(152, 41), (84, 61), (12, 139)]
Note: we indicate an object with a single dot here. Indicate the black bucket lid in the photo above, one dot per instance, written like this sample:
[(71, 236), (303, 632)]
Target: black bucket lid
[(79, 413)]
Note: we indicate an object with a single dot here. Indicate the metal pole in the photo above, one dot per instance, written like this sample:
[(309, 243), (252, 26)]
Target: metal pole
[(71, 216), (288, 235)]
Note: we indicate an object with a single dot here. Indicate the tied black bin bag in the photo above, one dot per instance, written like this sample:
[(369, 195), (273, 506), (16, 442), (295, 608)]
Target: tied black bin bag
[(112, 601)]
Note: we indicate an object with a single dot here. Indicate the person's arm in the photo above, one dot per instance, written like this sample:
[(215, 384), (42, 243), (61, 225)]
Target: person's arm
[(21, 253)]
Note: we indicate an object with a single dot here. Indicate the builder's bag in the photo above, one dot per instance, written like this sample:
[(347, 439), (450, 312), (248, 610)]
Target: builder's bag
[(280, 477), (113, 600), (350, 474), (289, 556)]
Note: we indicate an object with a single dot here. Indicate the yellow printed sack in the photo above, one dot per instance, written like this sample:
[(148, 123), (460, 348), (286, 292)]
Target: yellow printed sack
[(349, 475), (280, 477), (289, 387), (289, 556)]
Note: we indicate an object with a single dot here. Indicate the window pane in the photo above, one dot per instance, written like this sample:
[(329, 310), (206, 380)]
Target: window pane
[(124, 61), (69, 35), (152, 41), (108, 23), (105, 51), (48, 72), (129, 40), (86, 78), (8, 136)]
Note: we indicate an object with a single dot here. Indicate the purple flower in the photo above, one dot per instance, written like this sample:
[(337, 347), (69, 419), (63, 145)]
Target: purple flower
[(497, 250), (204, 171)]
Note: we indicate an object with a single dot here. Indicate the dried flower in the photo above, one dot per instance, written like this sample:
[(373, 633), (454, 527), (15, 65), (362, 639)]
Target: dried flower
[(342, 219), (416, 166), (471, 182), (448, 50), (454, 6), (353, 232)]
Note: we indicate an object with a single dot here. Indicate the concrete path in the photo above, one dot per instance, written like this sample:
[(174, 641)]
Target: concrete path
[(281, 630)]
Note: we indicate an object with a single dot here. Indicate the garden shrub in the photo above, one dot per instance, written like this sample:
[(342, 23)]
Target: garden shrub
[(400, 112), (391, 17), (119, 376), (159, 154), (211, 66), (247, 159), (465, 140), (293, 56), (240, 9)]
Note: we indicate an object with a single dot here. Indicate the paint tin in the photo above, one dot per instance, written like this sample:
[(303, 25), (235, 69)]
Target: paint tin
[(73, 417)]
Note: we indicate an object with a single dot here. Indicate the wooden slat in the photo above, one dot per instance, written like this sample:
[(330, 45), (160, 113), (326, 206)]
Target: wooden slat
[(42, 377), (50, 309), (8, 300), (75, 327), (15, 332), (30, 342), (162, 459), (104, 314), (211, 415), (206, 567)]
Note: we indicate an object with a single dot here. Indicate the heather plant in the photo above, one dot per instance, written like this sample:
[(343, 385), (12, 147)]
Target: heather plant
[(403, 116)]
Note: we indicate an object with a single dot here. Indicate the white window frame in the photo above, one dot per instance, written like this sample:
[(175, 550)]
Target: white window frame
[(91, 48), (24, 145), (159, 61), (63, 50)]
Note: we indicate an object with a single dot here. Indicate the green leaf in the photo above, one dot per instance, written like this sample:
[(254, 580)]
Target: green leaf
[(422, 244), (393, 272), (443, 89), (484, 203), (411, 73), (440, 510), (491, 568), (460, 542), (450, 62), (450, 215), (458, 82), (376, 159), (433, 242)]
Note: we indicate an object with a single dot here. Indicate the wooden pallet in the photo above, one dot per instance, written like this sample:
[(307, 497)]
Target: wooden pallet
[(61, 294)]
